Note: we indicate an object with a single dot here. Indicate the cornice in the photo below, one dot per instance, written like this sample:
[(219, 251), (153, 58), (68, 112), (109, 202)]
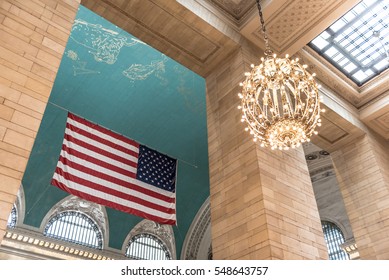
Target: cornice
[(196, 232), (29, 243)]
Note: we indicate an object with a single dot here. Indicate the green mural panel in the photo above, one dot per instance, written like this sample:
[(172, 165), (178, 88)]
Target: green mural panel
[(113, 79)]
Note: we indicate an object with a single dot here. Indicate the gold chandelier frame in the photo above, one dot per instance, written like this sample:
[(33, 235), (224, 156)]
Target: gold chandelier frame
[(280, 100)]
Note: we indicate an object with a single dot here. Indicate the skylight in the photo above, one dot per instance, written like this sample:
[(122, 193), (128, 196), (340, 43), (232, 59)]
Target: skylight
[(358, 43)]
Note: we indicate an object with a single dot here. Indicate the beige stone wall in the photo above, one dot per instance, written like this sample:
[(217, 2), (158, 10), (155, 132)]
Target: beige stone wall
[(382, 153), (262, 201), (33, 36), (362, 170)]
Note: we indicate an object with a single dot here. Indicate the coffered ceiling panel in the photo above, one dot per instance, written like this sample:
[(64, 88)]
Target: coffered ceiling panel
[(336, 131), (236, 8), (286, 26), (376, 116), (383, 121), (291, 24), (170, 28), (331, 132)]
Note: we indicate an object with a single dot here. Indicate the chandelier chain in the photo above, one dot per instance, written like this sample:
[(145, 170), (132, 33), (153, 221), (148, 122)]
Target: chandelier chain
[(279, 100), (263, 26)]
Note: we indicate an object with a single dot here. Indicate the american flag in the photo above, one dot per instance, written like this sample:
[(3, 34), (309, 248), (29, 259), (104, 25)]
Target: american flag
[(101, 166)]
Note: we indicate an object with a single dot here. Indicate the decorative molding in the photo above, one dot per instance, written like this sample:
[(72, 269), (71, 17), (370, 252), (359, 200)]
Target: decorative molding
[(329, 75), (317, 155), (351, 248), (322, 173), (319, 162), (330, 131), (73, 203), (210, 253), (163, 232), (233, 8), (326, 73), (19, 204), (163, 37), (196, 233), (291, 22), (339, 224), (35, 246)]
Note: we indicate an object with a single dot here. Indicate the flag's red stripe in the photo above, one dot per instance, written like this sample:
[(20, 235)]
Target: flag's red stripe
[(103, 141), (115, 180), (103, 130), (111, 204), (100, 151), (101, 188), (98, 162)]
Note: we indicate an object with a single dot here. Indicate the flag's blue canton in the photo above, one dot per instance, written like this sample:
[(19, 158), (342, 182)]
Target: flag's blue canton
[(156, 169)]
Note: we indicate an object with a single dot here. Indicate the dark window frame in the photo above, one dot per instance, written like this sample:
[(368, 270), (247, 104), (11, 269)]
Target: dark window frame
[(151, 249), (73, 231), (334, 238)]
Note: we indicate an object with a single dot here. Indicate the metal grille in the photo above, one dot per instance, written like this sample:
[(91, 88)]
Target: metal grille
[(147, 247), (75, 227), (334, 237), (12, 218)]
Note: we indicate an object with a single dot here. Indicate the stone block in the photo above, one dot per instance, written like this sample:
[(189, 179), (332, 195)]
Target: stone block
[(17, 41), (19, 140), (9, 185), (12, 75), (9, 93), (38, 87), (5, 209), (6, 112), (2, 132), (49, 58), (25, 120), (43, 72), (24, 29), (24, 110)]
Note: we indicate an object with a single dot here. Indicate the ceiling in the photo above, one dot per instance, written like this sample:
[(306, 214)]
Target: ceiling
[(201, 34)]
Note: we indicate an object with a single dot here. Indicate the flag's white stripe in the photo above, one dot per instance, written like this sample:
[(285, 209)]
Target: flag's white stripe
[(113, 186), (103, 135), (99, 145), (97, 167), (93, 154), (114, 199)]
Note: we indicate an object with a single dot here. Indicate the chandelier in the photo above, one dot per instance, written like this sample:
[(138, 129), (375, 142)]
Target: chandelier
[(279, 100)]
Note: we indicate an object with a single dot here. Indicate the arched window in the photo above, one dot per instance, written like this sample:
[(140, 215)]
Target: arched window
[(149, 240), (334, 238), (75, 227), (12, 218), (146, 246)]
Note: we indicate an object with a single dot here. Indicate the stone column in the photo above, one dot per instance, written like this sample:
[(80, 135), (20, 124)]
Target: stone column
[(262, 201), (362, 170), (33, 36)]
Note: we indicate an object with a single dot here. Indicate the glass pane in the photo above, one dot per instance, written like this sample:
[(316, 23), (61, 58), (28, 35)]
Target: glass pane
[(334, 238), (350, 67), (361, 35), (338, 25), (382, 64), (320, 42), (12, 218)]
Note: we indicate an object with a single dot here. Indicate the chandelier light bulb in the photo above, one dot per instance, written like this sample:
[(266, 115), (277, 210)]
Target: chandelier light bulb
[(280, 101)]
